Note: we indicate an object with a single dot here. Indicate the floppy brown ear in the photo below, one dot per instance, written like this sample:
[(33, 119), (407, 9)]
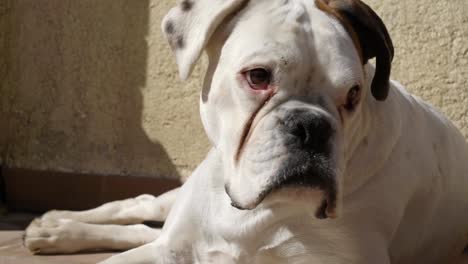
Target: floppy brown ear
[(372, 37)]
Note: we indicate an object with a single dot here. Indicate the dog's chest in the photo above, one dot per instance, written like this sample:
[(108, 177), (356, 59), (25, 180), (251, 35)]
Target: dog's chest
[(278, 244), (287, 252)]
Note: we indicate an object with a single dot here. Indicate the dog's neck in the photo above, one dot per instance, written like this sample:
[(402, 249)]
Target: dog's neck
[(361, 160), (232, 235)]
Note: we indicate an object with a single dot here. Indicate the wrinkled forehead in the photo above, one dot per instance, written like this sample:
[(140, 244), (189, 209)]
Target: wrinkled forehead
[(294, 33)]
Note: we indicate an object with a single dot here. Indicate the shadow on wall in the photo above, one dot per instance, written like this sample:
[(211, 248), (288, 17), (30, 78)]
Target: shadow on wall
[(73, 97)]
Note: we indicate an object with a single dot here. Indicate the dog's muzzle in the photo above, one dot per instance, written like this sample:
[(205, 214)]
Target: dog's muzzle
[(308, 138)]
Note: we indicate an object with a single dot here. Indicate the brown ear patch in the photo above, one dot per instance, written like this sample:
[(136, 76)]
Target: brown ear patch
[(370, 36), (324, 6)]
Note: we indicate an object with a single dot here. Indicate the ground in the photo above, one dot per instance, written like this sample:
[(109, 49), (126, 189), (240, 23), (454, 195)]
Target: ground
[(13, 252)]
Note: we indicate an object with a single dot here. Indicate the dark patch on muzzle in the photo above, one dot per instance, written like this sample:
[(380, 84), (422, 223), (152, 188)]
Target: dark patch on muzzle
[(310, 164), (309, 170)]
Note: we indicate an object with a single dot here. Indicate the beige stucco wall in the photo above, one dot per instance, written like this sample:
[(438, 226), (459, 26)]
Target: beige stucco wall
[(90, 85)]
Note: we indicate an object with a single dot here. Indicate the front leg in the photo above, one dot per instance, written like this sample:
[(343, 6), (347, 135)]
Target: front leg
[(152, 253), (68, 236), (67, 231), (129, 211), (181, 229)]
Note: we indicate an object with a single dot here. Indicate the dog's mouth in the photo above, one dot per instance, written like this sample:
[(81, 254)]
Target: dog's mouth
[(323, 183), (312, 182)]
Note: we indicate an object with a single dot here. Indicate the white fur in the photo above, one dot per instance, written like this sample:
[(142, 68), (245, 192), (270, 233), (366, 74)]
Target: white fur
[(401, 166)]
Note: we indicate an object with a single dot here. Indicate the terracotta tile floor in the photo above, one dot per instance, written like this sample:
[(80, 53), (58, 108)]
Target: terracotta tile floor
[(13, 252)]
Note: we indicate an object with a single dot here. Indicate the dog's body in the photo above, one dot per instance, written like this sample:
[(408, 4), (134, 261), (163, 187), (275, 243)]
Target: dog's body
[(298, 137)]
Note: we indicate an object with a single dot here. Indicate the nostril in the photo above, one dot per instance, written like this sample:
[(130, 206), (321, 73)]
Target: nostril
[(312, 132), (322, 128), (299, 131)]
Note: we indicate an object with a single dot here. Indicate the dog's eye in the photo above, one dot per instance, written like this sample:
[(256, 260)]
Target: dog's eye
[(353, 97), (258, 79)]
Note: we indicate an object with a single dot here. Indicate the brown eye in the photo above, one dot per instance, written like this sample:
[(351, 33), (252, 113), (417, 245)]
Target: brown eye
[(353, 97), (258, 79)]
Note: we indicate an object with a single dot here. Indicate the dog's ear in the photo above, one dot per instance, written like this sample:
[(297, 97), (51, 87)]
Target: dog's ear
[(189, 26), (371, 38)]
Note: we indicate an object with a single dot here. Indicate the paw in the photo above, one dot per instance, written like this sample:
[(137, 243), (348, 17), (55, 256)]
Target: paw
[(56, 215), (51, 236)]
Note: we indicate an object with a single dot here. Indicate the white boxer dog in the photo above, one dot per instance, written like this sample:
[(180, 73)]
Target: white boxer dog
[(317, 156)]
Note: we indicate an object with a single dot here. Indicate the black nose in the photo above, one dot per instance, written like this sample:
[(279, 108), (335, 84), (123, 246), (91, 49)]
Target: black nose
[(310, 130)]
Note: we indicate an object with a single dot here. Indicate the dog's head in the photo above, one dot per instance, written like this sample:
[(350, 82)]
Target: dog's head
[(285, 82)]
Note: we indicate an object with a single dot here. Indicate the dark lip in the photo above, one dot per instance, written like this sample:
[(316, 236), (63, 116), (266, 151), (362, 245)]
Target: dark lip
[(325, 183), (324, 211), (235, 204), (319, 174), (328, 204), (329, 201)]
